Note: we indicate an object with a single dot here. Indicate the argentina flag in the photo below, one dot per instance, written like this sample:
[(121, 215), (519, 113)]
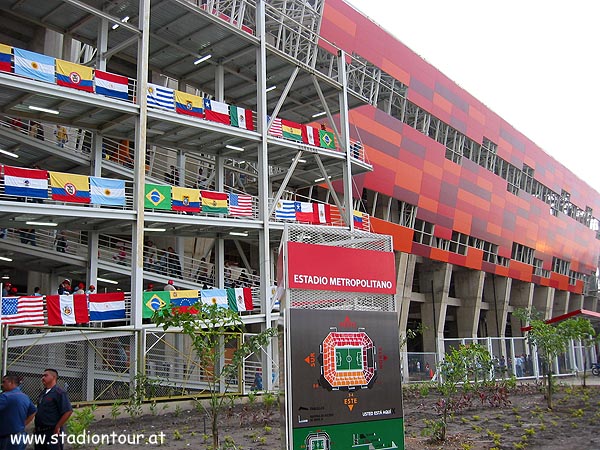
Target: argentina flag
[(106, 191)]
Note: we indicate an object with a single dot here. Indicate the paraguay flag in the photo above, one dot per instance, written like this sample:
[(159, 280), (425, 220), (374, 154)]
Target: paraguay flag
[(188, 104), (111, 85), (5, 58), (185, 199), (25, 182), (107, 191), (182, 301), (216, 111), (67, 187), (75, 76), (33, 65), (109, 306)]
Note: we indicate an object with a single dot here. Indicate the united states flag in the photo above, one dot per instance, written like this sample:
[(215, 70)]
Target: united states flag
[(240, 205), (275, 129), (23, 310)]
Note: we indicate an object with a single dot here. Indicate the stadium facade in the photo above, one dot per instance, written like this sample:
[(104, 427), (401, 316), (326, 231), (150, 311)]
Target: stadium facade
[(256, 114)]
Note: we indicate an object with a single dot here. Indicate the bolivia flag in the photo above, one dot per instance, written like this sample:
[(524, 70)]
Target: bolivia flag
[(154, 301), (108, 306), (214, 297), (74, 76), (67, 187), (185, 199), (291, 130), (188, 104), (241, 118), (5, 58), (111, 85), (25, 182), (240, 299), (216, 111), (157, 196), (182, 301), (214, 202), (67, 309)]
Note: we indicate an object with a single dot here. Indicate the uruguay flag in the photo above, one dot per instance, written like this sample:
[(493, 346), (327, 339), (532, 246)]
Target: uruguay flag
[(33, 65), (106, 191), (110, 306), (111, 85), (25, 182), (161, 97)]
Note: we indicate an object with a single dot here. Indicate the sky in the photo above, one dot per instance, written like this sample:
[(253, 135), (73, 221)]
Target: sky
[(534, 63)]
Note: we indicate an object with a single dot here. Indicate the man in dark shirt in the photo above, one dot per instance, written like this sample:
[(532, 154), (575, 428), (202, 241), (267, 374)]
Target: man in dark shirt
[(16, 411), (54, 409)]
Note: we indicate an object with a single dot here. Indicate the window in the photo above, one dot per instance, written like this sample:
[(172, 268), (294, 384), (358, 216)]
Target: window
[(407, 214), (538, 268), (522, 253), (458, 243), (560, 266), (423, 232)]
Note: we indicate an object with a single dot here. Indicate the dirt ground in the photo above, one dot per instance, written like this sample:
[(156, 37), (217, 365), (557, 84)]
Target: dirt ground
[(524, 423)]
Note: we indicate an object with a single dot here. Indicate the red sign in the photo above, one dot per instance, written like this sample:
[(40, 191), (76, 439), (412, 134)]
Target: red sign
[(327, 268)]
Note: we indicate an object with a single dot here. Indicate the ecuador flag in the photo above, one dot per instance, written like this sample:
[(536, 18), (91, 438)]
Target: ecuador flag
[(74, 76), (214, 202), (157, 196), (185, 199), (188, 104), (67, 187)]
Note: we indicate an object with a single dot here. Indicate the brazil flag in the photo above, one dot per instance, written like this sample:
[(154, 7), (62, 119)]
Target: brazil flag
[(154, 301), (157, 196)]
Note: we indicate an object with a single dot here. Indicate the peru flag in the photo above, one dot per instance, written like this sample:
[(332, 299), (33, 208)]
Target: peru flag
[(67, 309)]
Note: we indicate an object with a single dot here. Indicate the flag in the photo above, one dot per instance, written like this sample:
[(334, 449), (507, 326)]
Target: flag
[(310, 135), (241, 118), (154, 301), (240, 205), (182, 301), (188, 104), (74, 76), (185, 199), (107, 306), (107, 191), (275, 129), (111, 85), (304, 211), (214, 202), (240, 299), (160, 97), (322, 213), (358, 220), (216, 111), (25, 182), (326, 139), (23, 311), (67, 187), (5, 58), (214, 297), (285, 210), (33, 65), (67, 309), (291, 130), (157, 196)]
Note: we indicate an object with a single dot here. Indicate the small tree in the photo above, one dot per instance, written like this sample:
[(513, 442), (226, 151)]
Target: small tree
[(209, 330), (551, 340), (581, 329), (468, 365)]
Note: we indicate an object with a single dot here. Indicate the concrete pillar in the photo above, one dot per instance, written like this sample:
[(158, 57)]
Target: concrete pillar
[(543, 297), (406, 269), (468, 285), (496, 294), (560, 303), (521, 296), (433, 311), (575, 302)]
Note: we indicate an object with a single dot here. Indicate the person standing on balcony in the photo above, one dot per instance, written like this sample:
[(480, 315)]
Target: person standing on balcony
[(61, 136), (173, 263)]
